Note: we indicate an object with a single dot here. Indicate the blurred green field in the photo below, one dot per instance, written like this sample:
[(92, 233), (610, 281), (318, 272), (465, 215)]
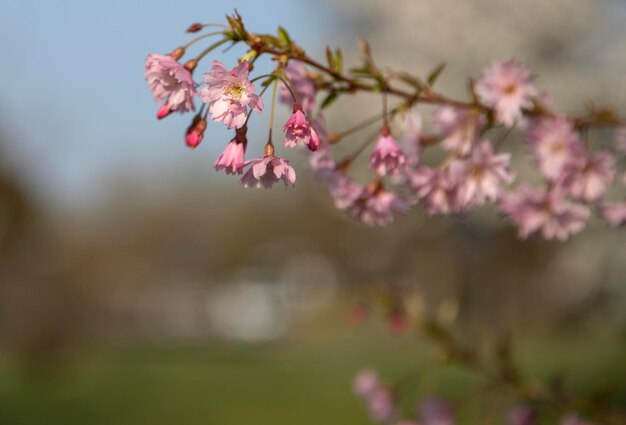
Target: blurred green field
[(303, 382)]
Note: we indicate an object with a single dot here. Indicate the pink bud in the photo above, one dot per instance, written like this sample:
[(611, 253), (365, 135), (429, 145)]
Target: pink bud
[(163, 111), (195, 133)]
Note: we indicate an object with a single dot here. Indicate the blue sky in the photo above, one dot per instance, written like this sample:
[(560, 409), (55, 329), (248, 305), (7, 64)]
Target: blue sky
[(73, 102)]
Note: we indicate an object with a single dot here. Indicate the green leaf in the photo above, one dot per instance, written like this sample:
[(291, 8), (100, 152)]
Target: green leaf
[(269, 80), (435, 73), (283, 36), (332, 96), (361, 72), (412, 81), (338, 62)]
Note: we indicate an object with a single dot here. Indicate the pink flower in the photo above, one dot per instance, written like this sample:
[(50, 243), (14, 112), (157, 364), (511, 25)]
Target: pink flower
[(231, 161), (555, 146), (365, 383), (614, 213), (321, 161), (229, 94), (435, 411), (381, 405), (573, 419), (266, 171), (506, 87), (302, 85), (436, 189), (298, 129), (171, 82), (388, 157), (376, 206), (589, 183), (481, 174), (620, 140), (411, 137), (343, 191), (459, 126), (521, 414), (544, 212)]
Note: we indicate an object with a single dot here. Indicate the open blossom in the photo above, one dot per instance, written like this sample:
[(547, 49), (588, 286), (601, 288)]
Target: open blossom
[(481, 174), (171, 82), (614, 213), (266, 171), (544, 212), (388, 157), (411, 136), (521, 414), (229, 94), (343, 191), (589, 183), (435, 411), (365, 383), (381, 405), (299, 129), (301, 84), (555, 146), (231, 161), (459, 126), (507, 87), (573, 419), (436, 189), (376, 206), (321, 161)]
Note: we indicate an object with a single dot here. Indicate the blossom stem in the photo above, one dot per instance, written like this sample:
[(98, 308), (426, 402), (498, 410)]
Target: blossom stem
[(273, 109), (210, 49), (201, 37)]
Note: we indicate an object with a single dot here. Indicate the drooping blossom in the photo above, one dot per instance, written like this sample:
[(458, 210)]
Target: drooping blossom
[(388, 157), (555, 146), (614, 213), (301, 84), (481, 175), (171, 82), (411, 135), (460, 127), (231, 161), (436, 190), (435, 411), (381, 405), (365, 383), (521, 414), (590, 181), (507, 87), (573, 419), (343, 190), (376, 206), (266, 171), (547, 213), (299, 129), (321, 161), (229, 94), (620, 140)]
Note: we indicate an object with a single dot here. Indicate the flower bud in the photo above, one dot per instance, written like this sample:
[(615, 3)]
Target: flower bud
[(177, 53), (195, 132), (195, 27), (164, 111)]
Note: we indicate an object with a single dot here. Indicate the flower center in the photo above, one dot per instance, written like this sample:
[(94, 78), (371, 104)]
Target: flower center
[(510, 89), (235, 91)]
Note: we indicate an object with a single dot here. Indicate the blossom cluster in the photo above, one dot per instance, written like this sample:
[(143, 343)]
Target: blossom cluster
[(572, 180), (381, 403)]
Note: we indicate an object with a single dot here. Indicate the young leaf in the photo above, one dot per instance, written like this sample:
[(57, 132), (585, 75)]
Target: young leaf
[(338, 62), (332, 96), (435, 73), (283, 36)]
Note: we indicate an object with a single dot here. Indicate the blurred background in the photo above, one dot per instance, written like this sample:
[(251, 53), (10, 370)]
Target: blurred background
[(139, 286)]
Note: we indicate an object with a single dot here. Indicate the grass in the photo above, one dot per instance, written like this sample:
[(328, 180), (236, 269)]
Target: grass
[(304, 383)]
